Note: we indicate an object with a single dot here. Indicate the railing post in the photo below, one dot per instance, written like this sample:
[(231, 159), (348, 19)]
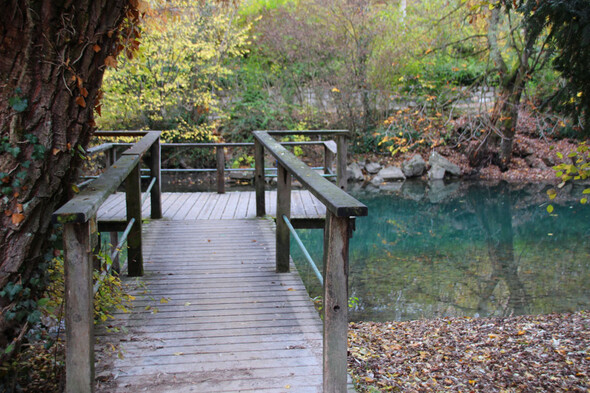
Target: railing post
[(283, 209), (259, 178), (328, 159), (133, 202), (220, 159), (342, 154), (79, 297), (156, 172), (335, 302)]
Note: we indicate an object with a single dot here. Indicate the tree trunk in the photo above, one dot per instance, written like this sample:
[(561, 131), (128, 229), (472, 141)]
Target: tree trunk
[(52, 60)]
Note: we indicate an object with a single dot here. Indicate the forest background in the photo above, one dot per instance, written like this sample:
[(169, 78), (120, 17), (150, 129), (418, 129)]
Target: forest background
[(402, 76)]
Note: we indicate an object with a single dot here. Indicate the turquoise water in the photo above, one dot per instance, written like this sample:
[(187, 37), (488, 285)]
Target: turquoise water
[(463, 249)]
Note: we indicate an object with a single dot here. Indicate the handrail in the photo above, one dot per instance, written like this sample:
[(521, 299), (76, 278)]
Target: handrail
[(341, 209), (80, 238), (330, 152), (337, 201)]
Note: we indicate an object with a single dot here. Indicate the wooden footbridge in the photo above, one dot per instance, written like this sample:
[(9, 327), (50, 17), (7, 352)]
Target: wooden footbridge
[(217, 305)]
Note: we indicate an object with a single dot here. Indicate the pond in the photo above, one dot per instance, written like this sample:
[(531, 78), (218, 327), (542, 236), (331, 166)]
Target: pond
[(463, 249)]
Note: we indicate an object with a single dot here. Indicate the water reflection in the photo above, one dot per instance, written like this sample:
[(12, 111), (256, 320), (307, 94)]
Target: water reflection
[(433, 250)]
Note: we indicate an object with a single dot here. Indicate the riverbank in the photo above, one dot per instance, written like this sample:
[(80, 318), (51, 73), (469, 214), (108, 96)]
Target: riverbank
[(548, 353), (533, 159)]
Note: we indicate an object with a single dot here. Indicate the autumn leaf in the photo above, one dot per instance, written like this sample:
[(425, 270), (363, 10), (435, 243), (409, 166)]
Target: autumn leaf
[(80, 101), (96, 48), (17, 218), (84, 92), (110, 61)]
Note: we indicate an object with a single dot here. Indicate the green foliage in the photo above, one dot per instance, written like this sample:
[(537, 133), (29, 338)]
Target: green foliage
[(569, 34), (175, 79)]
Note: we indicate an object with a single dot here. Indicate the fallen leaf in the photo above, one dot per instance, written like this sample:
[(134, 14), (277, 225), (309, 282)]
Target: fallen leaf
[(96, 48)]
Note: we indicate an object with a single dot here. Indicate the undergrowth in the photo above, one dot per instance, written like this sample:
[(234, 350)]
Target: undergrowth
[(39, 364)]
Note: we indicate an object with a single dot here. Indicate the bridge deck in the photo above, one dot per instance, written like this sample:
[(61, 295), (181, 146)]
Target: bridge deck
[(213, 206), (211, 314)]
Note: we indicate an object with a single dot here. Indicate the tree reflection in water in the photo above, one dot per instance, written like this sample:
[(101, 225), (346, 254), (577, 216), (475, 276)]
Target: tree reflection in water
[(463, 249)]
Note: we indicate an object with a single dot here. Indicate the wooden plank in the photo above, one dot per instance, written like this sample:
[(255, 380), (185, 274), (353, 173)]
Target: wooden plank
[(197, 206), (227, 323), (217, 210), (242, 208), (230, 208)]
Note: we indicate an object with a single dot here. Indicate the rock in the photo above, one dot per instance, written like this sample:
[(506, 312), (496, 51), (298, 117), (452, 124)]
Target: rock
[(376, 181), (436, 173), (354, 172), (241, 175), (391, 173), (413, 167), (372, 167), (438, 160)]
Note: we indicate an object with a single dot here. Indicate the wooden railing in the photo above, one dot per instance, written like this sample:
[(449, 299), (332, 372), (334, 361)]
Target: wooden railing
[(341, 208), (80, 237), (333, 151)]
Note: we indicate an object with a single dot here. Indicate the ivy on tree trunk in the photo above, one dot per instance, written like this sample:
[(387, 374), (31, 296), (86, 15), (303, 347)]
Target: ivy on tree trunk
[(52, 58)]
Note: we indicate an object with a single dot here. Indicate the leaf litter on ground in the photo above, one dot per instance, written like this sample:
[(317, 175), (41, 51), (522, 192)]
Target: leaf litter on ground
[(542, 353)]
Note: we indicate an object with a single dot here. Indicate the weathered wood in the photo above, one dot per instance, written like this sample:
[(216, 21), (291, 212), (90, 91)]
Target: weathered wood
[(259, 178), (133, 204), (120, 133), (307, 132), (85, 205), (335, 302), (208, 318), (336, 200), (210, 205), (144, 144), (342, 156), (79, 307), (330, 151), (114, 240), (220, 160), (283, 209), (156, 172)]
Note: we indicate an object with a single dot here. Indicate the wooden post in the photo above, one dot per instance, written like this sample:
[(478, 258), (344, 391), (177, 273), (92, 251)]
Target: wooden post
[(259, 178), (329, 155), (336, 238), (79, 297), (156, 171), (342, 154), (220, 159), (133, 202), (283, 209)]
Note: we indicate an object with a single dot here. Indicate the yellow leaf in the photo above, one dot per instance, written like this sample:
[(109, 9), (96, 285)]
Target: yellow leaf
[(550, 209), (335, 90), (178, 353), (163, 300)]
